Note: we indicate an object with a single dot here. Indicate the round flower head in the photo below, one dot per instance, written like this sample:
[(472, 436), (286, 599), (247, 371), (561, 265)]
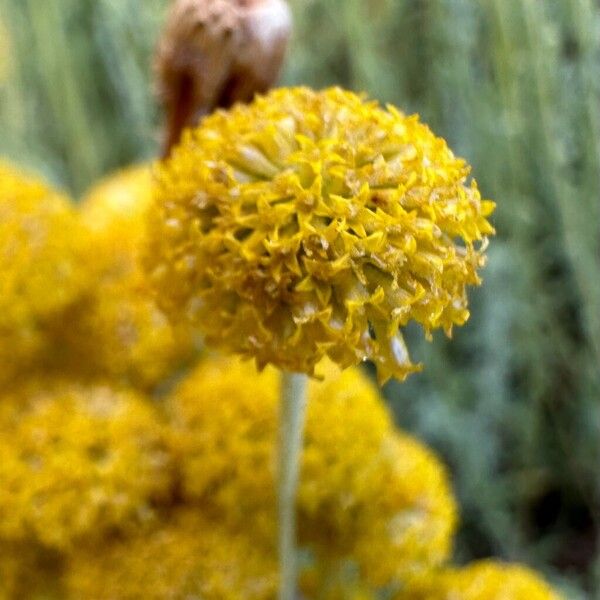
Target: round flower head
[(187, 557), (367, 495), (78, 461), (118, 331), (224, 427), (316, 223), (406, 526), (484, 580), (41, 271)]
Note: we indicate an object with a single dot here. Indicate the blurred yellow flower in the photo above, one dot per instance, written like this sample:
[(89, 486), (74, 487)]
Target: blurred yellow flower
[(312, 224), (484, 580), (187, 557), (114, 213), (78, 461), (367, 493), (118, 331), (223, 428), (41, 271), (406, 524)]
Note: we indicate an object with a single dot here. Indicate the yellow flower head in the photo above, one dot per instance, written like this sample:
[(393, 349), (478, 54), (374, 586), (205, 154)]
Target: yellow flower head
[(484, 580), (368, 494), (77, 461), (316, 223), (223, 430), (188, 557), (41, 272), (118, 331), (406, 525)]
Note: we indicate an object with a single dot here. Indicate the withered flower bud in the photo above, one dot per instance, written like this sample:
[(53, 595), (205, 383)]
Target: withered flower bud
[(214, 53)]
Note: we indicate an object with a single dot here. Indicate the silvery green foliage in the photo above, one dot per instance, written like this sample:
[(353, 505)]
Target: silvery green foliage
[(513, 402)]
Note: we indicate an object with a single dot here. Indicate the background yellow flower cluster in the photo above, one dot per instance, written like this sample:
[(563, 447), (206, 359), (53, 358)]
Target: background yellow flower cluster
[(125, 475), (512, 401)]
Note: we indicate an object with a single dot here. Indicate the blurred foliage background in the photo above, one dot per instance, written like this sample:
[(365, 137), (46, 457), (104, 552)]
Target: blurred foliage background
[(513, 402)]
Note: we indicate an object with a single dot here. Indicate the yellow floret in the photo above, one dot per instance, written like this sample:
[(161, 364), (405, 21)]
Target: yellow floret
[(118, 331), (41, 271), (78, 461), (367, 495), (484, 580), (311, 224), (188, 557)]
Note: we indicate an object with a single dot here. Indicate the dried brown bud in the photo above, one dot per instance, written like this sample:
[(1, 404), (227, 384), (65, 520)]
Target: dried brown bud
[(214, 53)]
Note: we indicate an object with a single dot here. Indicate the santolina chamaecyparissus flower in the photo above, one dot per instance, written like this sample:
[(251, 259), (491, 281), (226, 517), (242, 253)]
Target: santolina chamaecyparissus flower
[(117, 331), (78, 462), (369, 495), (316, 223), (482, 580), (188, 556), (41, 270)]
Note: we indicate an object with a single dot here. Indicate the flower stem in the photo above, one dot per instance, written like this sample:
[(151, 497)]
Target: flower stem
[(291, 431)]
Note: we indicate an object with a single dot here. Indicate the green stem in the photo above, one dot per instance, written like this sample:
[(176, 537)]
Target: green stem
[(291, 430)]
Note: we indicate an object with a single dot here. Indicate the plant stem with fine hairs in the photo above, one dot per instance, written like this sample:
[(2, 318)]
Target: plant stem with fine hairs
[(291, 431)]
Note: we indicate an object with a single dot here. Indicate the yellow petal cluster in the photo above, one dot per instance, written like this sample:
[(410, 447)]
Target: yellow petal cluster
[(311, 224), (188, 557), (344, 459), (78, 462), (484, 580), (117, 330), (367, 494), (223, 419), (407, 525), (41, 271)]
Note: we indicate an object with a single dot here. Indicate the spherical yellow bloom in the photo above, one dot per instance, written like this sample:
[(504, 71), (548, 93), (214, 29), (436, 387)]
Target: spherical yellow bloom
[(343, 461), (41, 272), (114, 211), (118, 331), (484, 580), (406, 526), (77, 461), (316, 223), (223, 420), (224, 427), (189, 557), (367, 493)]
